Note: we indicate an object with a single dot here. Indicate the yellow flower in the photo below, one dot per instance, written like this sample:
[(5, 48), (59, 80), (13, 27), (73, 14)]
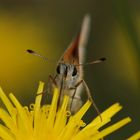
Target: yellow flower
[(48, 123)]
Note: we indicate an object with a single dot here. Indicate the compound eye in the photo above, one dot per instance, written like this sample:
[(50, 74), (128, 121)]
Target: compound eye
[(58, 69), (74, 71)]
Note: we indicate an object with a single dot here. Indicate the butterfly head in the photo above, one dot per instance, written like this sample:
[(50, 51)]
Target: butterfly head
[(67, 70)]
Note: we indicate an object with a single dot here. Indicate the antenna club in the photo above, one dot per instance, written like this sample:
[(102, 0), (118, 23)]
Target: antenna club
[(30, 51), (103, 59)]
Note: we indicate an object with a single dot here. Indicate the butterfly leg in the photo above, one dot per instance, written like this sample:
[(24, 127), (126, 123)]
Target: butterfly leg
[(90, 98), (60, 92), (72, 97), (51, 80), (75, 89)]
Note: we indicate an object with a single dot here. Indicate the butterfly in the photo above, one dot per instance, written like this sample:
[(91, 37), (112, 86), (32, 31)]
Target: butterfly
[(69, 75)]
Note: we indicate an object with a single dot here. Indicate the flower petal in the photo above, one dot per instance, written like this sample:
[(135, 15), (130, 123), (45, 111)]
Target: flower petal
[(6, 101), (111, 128), (135, 136)]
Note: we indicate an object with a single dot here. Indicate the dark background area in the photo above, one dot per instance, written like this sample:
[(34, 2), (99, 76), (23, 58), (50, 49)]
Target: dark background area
[(48, 27)]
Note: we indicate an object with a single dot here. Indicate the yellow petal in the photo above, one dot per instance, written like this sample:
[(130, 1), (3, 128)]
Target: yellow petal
[(5, 133), (135, 136), (22, 116), (6, 118), (52, 112), (37, 111), (74, 121), (112, 128), (6, 101), (61, 117)]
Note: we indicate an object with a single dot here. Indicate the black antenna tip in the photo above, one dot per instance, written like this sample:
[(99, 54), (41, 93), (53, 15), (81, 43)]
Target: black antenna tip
[(103, 59), (30, 51)]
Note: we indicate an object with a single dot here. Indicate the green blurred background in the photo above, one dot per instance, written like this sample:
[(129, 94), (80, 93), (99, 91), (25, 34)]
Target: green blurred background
[(48, 27)]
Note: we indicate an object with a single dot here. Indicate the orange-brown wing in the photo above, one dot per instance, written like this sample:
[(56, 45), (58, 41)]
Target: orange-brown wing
[(71, 55), (75, 53)]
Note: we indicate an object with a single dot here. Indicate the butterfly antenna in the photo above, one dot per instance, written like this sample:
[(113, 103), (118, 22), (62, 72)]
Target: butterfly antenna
[(36, 54), (93, 62)]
